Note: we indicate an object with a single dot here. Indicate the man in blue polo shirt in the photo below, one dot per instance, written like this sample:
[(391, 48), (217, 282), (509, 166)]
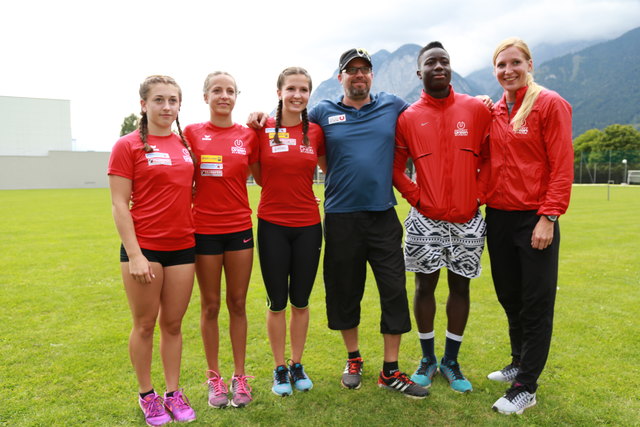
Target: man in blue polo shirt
[(361, 224)]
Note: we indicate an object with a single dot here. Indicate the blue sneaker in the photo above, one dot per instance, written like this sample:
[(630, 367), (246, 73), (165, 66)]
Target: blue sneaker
[(450, 369), (299, 378), (425, 372), (281, 383)]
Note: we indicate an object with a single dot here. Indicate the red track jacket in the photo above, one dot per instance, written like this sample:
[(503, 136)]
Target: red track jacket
[(445, 138), (530, 168)]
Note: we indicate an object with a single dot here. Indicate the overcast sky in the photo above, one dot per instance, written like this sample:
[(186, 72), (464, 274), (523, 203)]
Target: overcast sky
[(97, 53)]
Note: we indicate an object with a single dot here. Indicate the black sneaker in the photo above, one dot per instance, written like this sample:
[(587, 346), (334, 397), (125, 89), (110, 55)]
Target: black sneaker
[(399, 381), (352, 375)]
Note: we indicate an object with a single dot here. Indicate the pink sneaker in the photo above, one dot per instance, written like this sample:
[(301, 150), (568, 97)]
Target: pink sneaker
[(217, 390), (240, 391), (153, 409), (179, 406)]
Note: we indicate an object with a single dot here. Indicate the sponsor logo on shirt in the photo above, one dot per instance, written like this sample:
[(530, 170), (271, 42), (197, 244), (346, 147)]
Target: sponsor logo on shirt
[(282, 134), (186, 156), (209, 172), (272, 130), (206, 137), (238, 148), (154, 148), (337, 119), (154, 159), (285, 141), (522, 130), (461, 129), (306, 149), (280, 148), (210, 165), (208, 158)]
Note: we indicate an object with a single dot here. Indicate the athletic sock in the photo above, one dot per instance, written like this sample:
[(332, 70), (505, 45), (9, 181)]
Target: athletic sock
[(169, 394), (427, 343), (354, 354), (143, 395), (452, 346), (388, 368)]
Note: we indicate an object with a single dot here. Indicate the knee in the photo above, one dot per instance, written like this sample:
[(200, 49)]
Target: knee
[(236, 306), (171, 327), (144, 329), (210, 310)]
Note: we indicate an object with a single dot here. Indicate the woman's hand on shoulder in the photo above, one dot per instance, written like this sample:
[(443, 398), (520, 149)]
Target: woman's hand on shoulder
[(257, 119)]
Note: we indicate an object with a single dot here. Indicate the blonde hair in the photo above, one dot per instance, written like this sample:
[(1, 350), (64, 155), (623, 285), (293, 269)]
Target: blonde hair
[(207, 81), (533, 89)]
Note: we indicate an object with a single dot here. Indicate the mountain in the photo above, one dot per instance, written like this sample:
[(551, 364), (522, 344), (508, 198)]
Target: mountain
[(601, 82), (486, 81), (394, 73)]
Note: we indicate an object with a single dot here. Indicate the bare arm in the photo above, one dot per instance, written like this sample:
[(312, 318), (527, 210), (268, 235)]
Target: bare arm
[(256, 172), (139, 266), (322, 162)]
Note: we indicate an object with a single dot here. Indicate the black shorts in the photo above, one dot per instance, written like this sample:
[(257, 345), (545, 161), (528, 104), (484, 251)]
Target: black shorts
[(217, 244), (289, 258), (351, 240), (165, 258)]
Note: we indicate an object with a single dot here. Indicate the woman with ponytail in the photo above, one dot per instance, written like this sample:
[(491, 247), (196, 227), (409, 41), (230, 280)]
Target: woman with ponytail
[(150, 176), (528, 181), (224, 237), (289, 230)]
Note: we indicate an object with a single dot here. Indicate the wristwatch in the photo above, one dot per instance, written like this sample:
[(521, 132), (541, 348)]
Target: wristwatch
[(552, 218)]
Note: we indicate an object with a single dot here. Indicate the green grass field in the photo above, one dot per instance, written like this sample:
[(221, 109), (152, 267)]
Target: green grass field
[(64, 325)]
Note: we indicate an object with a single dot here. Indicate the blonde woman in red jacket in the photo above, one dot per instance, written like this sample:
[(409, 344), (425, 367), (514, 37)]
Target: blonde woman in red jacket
[(528, 185)]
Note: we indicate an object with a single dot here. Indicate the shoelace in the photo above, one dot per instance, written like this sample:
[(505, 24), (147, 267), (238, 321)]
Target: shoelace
[(455, 370), (240, 385), (282, 376), (402, 377), (297, 372), (217, 383), (154, 406), (178, 400), (422, 370), (354, 366), (514, 390)]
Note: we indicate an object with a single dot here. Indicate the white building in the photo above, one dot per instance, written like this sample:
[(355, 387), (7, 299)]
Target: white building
[(36, 147)]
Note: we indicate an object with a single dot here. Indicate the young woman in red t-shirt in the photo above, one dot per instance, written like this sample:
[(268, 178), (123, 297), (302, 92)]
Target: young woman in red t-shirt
[(150, 176), (289, 230), (224, 238)]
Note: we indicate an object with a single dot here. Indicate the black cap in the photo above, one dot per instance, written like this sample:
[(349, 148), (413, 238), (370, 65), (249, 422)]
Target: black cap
[(353, 54)]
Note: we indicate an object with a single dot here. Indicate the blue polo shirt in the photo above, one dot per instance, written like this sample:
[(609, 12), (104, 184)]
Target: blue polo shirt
[(360, 146)]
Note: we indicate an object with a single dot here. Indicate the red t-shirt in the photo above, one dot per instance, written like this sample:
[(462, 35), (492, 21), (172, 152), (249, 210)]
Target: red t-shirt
[(221, 204), (161, 189), (287, 168)]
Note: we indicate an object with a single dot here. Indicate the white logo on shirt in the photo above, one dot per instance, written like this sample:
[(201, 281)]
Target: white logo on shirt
[(306, 149), (522, 130), (238, 148), (206, 137), (461, 131), (279, 148), (337, 119)]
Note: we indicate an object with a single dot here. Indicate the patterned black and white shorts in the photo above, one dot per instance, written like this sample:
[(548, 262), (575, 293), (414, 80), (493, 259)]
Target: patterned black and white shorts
[(433, 244)]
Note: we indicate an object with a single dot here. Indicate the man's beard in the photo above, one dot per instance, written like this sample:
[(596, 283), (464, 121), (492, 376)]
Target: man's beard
[(357, 94)]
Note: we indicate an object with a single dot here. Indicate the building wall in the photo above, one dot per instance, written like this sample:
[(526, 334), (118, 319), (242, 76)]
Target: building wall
[(59, 169), (34, 126)]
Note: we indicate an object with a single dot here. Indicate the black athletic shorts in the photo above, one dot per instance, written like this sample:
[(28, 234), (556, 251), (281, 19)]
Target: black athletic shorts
[(165, 258), (289, 258), (217, 244), (351, 241)]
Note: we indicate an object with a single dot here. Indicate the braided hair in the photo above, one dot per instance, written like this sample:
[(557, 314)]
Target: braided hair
[(143, 126), (305, 120)]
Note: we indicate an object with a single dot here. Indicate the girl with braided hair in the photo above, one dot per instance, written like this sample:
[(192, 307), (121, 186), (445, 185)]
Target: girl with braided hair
[(289, 230), (150, 177), (224, 237)]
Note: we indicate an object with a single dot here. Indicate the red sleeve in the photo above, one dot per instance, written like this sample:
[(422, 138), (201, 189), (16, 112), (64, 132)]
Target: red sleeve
[(121, 160), (556, 134), (485, 165), (401, 181)]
